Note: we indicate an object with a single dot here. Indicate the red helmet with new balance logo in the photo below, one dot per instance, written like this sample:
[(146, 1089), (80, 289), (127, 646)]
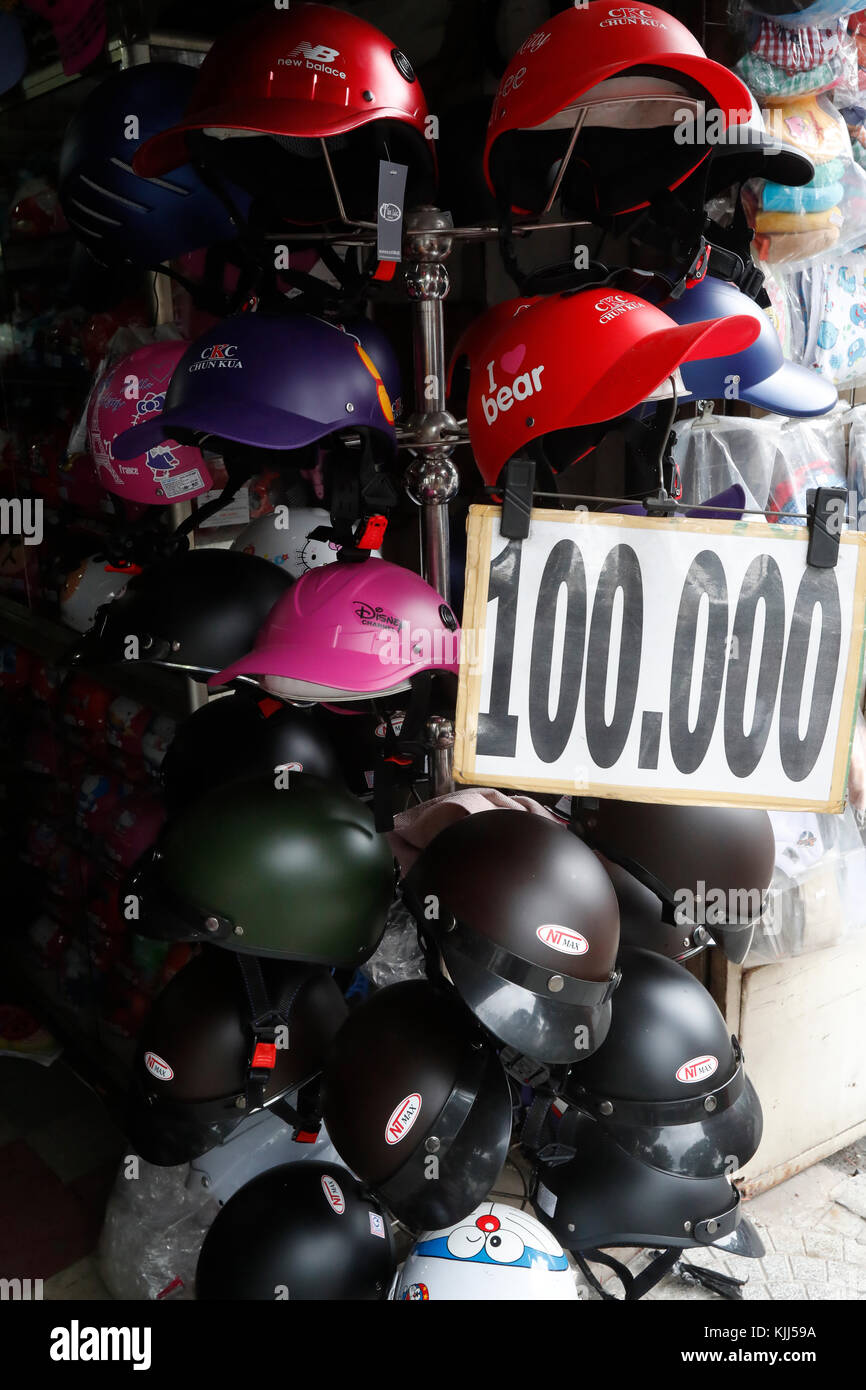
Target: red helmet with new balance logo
[(301, 78)]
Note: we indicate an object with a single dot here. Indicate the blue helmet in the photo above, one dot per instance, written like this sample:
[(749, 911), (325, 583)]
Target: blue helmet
[(13, 52), (115, 213), (759, 374)]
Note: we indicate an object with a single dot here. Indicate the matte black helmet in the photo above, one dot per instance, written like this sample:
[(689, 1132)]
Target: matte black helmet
[(202, 1064), (669, 1083), (296, 872), (643, 921), (303, 1231), (602, 1197), (710, 866), (527, 923), (195, 613), (241, 735), (416, 1102)]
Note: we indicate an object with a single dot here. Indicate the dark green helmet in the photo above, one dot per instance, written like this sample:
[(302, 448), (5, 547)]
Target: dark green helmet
[(295, 872)]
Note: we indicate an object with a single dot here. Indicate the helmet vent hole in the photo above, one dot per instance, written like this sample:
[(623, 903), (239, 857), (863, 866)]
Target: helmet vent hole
[(402, 64)]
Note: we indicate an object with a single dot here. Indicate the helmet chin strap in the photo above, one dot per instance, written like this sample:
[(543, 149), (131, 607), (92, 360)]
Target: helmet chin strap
[(264, 1017)]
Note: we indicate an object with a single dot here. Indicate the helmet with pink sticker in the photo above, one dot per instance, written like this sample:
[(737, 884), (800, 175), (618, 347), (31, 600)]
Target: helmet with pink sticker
[(131, 393)]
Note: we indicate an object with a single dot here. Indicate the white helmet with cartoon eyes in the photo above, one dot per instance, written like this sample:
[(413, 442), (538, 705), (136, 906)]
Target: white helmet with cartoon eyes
[(497, 1252), (284, 537)]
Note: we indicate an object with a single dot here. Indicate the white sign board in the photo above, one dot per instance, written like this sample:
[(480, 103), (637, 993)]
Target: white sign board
[(669, 659)]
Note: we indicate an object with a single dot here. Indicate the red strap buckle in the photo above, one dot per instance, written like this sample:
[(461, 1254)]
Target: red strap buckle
[(373, 534), (385, 270), (305, 1136), (264, 1056), (699, 268)]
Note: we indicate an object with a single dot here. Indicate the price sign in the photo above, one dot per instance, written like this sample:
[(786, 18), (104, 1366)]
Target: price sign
[(659, 659)]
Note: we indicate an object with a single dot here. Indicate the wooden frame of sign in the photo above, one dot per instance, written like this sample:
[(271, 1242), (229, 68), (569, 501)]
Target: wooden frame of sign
[(788, 589)]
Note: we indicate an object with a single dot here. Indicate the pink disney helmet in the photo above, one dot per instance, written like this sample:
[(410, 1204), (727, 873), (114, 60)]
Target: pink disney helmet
[(351, 632), (165, 473)]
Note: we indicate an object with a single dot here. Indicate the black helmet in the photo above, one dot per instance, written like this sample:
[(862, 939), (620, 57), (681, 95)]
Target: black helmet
[(203, 1061), (195, 613), (241, 735), (643, 921), (412, 1088), (295, 872), (303, 1231), (669, 1085), (710, 866), (528, 928), (357, 734), (601, 1197)]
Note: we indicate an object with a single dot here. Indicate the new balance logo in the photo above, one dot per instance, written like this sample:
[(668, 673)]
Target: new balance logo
[(317, 53), (315, 57)]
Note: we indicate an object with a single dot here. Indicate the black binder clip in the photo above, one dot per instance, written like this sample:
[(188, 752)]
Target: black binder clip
[(517, 499), (827, 511)]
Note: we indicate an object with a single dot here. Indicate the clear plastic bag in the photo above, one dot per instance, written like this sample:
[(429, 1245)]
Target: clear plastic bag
[(398, 956), (726, 450), (818, 893), (153, 1231), (833, 292), (824, 12), (812, 453)]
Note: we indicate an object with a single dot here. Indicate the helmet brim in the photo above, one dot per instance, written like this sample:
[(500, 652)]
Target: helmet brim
[(706, 1148), (257, 425), (302, 119), (542, 1029)]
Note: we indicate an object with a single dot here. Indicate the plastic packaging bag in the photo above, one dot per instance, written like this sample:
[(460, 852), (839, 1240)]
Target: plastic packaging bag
[(818, 893), (794, 225), (398, 956), (833, 291), (726, 450), (811, 454), (822, 12)]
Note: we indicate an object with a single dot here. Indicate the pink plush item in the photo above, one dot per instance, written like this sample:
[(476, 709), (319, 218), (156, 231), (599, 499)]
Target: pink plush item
[(415, 828)]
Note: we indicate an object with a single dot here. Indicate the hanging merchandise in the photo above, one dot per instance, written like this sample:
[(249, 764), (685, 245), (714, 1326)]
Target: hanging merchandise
[(527, 925), (91, 584), (571, 91), (681, 1101), (717, 452), (350, 632), (812, 454), (759, 375), (833, 291), (578, 360), (412, 1088), (116, 214), (287, 866), (601, 1198), (708, 867), (165, 616), (783, 63), (287, 541), (131, 394), (201, 1064), (298, 105), (254, 735), (496, 1252), (305, 1231), (794, 225), (263, 391)]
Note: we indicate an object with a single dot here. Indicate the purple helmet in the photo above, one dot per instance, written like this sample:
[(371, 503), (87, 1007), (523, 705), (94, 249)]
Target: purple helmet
[(271, 383)]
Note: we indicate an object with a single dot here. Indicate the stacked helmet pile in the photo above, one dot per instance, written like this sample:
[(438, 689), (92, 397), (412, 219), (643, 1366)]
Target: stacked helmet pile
[(552, 1023)]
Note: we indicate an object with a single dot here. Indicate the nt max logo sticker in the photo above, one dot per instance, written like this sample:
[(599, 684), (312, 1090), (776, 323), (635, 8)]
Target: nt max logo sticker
[(403, 1118)]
